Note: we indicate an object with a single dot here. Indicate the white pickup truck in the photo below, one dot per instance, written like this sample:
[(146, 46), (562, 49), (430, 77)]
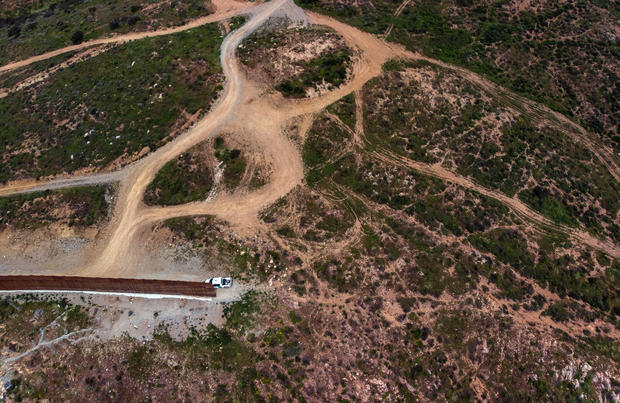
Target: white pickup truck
[(220, 282)]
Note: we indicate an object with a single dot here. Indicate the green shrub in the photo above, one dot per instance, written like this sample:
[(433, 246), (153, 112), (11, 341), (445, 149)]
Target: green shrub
[(77, 37), (542, 200), (235, 163), (509, 246), (38, 27), (330, 68), (242, 314), (558, 312), (180, 181), (111, 107), (87, 206)]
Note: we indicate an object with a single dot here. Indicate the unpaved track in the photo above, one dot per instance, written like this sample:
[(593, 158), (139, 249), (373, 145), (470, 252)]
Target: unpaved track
[(131, 215), (224, 9), (378, 51), (32, 186), (516, 205), (368, 68), (398, 11), (45, 74), (401, 7)]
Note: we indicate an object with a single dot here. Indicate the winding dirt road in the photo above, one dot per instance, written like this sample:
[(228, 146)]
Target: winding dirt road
[(131, 215), (224, 10)]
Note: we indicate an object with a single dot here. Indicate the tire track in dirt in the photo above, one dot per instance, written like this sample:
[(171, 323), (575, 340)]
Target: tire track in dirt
[(45, 74), (264, 117), (398, 11), (370, 68), (541, 114), (224, 10), (382, 51), (359, 117), (516, 205)]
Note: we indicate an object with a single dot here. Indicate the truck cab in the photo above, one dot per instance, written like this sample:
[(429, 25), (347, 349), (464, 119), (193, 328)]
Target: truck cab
[(220, 282)]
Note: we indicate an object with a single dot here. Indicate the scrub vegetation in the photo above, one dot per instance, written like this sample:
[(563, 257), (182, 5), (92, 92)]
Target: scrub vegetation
[(79, 206), (183, 180), (192, 176), (560, 54), (399, 237), (307, 60), (432, 115), (446, 242), (112, 108), (35, 27)]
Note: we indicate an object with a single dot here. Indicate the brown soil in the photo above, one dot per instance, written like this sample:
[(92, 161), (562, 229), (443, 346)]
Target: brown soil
[(340, 331), (274, 57)]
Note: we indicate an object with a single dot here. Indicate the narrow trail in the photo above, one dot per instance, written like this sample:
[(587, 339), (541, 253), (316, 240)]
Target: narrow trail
[(400, 8), (398, 11), (381, 51), (45, 74), (368, 68), (359, 118), (541, 114), (516, 205), (32, 186), (224, 10)]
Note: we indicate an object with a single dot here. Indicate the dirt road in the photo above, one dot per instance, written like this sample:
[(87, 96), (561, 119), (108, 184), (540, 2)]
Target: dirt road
[(224, 9), (369, 67), (32, 186), (516, 205), (131, 215), (380, 51)]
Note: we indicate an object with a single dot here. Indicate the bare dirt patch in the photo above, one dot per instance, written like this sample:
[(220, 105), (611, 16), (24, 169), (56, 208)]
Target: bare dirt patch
[(294, 61)]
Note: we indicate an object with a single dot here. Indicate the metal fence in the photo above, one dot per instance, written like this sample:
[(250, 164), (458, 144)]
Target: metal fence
[(121, 285)]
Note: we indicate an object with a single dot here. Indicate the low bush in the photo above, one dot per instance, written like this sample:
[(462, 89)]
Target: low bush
[(110, 106), (330, 69), (234, 163), (183, 180), (33, 28)]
